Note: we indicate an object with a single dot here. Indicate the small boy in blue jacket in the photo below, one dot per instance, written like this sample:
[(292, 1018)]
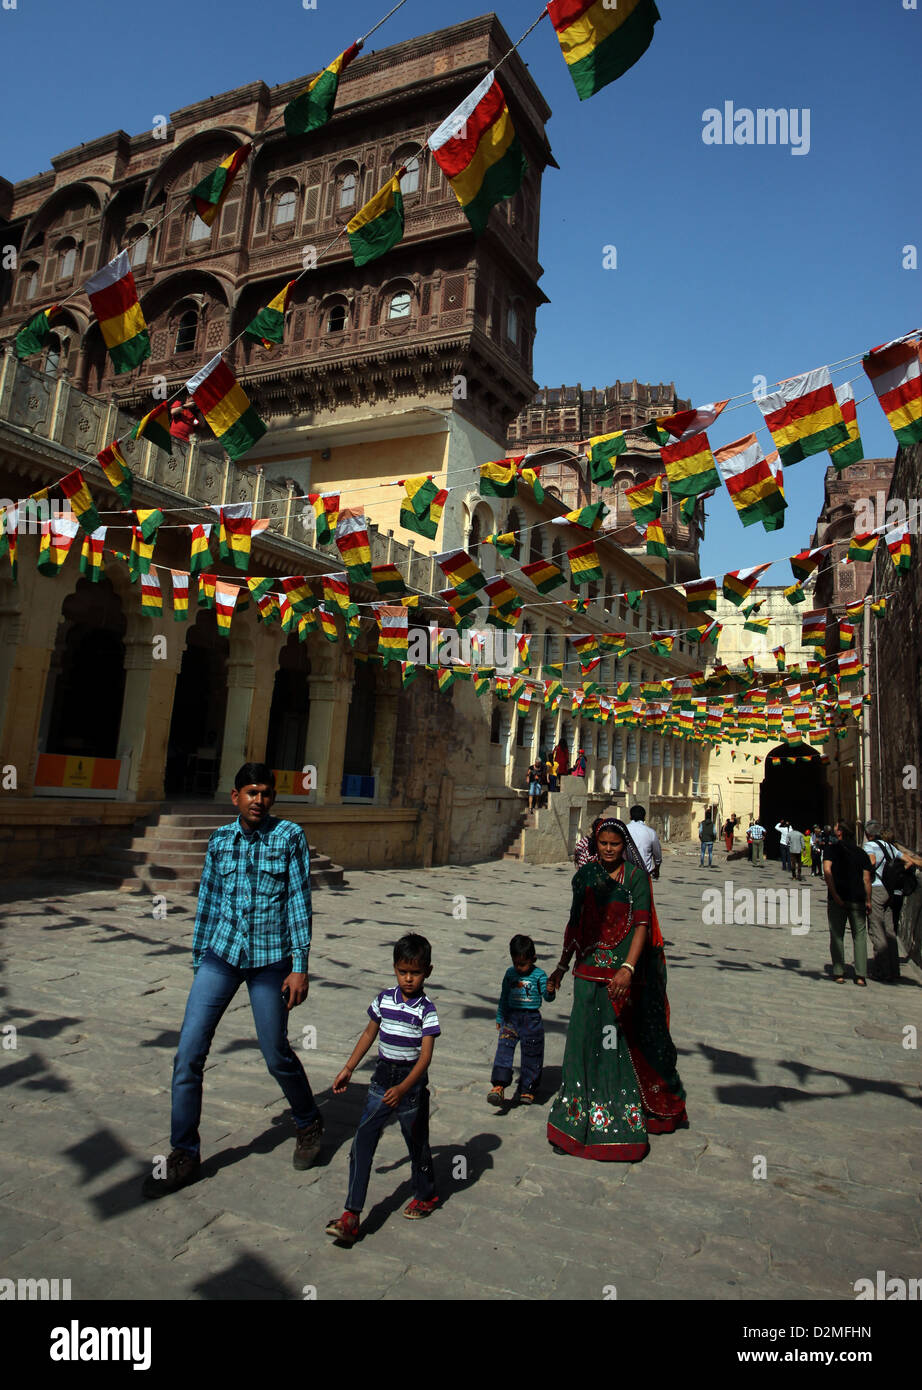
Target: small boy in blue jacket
[(518, 1018)]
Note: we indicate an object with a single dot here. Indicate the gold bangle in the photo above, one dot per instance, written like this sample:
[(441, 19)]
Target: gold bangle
[(627, 966)]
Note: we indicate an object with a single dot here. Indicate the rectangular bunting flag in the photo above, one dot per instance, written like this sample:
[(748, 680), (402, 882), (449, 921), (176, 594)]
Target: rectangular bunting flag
[(91, 555), (114, 297), (862, 547), (81, 501), (237, 525), (313, 106), (479, 153), (155, 426), (584, 564), (895, 372), (151, 595), (326, 515), (422, 507), (378, 226), (498, 479), (200, 557), (701, 595), (268, 327), (393, 622), (897, 542), (353, 544), (180, 582), (461, 571), (749, 480), (225, 599), (852, 450), (656, 540), (226, 407), (387, 579), (209, 194), (804, 416), (544, 574), (602, 449), (112, 463), (33, 335), (600, 41), (690, 466), (739, 584), (813, 628), (646, 500)]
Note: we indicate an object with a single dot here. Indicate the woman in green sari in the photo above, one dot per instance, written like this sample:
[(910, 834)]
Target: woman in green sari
[(619, 1081)]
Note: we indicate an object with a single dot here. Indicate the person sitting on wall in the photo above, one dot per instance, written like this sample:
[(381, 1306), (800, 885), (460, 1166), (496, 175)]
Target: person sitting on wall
[(185, 420), (580, 766)]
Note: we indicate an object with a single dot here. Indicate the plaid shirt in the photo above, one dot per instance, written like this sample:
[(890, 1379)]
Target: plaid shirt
[(254, 899)]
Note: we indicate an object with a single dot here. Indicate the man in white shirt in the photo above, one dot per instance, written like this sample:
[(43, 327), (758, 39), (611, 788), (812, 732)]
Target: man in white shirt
[(784, 830), (646, 840), (757, 836)]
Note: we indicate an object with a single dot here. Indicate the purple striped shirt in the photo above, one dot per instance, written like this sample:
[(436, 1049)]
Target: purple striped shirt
[(403, 1024)]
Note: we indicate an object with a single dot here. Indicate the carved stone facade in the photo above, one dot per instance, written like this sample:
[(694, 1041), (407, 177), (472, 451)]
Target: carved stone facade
[(560, 419), (442, 319)]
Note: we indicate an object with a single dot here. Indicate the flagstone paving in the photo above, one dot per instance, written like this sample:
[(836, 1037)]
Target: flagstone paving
[(787, 1074)]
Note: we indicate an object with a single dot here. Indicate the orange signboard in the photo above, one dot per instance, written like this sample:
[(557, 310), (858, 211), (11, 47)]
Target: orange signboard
[(289, 783), (80, 774)]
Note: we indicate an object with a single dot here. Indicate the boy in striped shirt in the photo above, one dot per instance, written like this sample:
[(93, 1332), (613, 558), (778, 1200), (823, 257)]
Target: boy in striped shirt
[(405, 1022)]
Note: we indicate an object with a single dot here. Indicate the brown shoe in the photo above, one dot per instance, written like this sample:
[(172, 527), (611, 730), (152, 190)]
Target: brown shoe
[(182, 1168), (308, 1145)]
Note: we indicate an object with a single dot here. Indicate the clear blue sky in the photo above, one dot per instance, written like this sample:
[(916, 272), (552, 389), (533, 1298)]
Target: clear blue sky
[(733, 262)]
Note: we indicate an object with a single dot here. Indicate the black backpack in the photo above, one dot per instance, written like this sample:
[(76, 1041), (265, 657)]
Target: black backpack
[(893, 872)]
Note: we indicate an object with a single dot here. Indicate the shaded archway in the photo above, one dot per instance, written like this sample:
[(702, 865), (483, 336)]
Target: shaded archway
[(84, 701), (199, 705), (793, 788), (360, 733), (286, 738)]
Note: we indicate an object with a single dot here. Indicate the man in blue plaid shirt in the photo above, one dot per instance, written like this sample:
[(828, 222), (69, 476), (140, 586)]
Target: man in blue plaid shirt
[(253, 925)]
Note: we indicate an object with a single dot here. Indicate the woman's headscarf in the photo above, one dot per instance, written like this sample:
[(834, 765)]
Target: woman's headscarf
[(606, 822)]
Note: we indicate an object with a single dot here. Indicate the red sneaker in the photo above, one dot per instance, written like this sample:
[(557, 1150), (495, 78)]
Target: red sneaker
[(346, 1229), (417, 1210)]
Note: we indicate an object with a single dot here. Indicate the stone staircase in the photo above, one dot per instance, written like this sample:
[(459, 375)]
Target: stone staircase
[(514, 845), (168, 856)]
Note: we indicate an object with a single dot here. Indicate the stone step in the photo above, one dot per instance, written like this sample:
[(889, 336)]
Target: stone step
[(142, 881), (178, 855)]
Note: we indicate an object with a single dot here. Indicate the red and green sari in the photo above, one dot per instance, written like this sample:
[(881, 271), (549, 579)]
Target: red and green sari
[(619, 1082)]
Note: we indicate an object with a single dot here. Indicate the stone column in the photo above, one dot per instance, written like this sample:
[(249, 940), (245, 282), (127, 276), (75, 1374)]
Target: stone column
[(330, 696), (29, 616), (268, 642), (153, 656), (241, 686), (387, 698)]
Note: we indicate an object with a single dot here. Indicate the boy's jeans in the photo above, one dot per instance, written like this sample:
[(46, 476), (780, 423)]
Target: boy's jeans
[(413, 1114), (215, 984), (523, 1026), (785, 857), (709, 846)]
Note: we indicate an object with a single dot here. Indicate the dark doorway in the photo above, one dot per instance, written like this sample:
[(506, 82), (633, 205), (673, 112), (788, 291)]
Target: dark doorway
[(360, 734), (199, 705), (86, 696), (795, 791), (286, 739)]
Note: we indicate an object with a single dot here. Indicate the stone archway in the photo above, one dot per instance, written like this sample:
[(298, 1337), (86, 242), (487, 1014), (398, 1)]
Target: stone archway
[(796, 791), (289, 712), (199, 708), (86, 679)]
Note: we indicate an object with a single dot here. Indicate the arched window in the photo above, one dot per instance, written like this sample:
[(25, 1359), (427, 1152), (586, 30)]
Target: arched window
[(399, 307), (347, 187), (199, 230), (68, 262), (285, 205), (53, 355), (186, 332), (512, 325), (337, 319), (474, 537), (537, 544), (557, 551), (32, 287), (409, 182)]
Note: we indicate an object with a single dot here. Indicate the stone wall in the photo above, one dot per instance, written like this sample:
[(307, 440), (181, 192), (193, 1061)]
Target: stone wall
[(42, 836), (896, 674)]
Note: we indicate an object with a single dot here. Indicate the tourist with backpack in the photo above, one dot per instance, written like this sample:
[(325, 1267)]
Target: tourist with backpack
[(888, 886)]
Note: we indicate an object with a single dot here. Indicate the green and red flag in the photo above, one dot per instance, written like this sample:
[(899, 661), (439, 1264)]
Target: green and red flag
[(112, 462), (299, 596), (237, 527), (226, 407), (208, 196), (499, 478), (91, 555), (804, 416), (81, 502), (478, 151), (461, 571), (328, 623), (114, 297), (151, 595), (387, 579), (602, 449), (326, 515), (897, 542), (150, 519), (862, 547), (180, 584), (33, 335), (200, 557), (646, 500), (313, 106), (685, 424), (662, 642), (378, 226), (544, 574), (589, 518), (795, 594), (656, 540), (336, 591), (353, 544), (9, 525), (268, 327), (852, 451), (206, 590), (225, 601), (601, 41), (392, 632), (155, 426), (690, 466), (422, 507), (813, 628), (701, 595), (504, 542), (739, 584), (749, 480), (502, 596), (584, 564), (895, 372)]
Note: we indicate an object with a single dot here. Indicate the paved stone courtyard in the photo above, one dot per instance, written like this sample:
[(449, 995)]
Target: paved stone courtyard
[(778, 1062)]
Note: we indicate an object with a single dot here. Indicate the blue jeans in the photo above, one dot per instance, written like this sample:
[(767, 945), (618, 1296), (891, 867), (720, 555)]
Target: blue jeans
[(785, 857), (709, 846), (215, 984), (523, 1026), (412, 1112)]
